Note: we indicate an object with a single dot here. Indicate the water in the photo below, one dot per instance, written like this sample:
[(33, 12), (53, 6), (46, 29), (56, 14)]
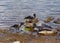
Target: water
[(14, 11)]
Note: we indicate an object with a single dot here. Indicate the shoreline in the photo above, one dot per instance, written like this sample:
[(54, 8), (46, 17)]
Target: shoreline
[(10, 37)]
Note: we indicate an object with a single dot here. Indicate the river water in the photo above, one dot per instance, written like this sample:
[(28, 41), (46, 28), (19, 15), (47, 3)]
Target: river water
[(14, 11)]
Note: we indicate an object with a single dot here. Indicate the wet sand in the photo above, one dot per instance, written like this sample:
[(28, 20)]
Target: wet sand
[(8, 37)]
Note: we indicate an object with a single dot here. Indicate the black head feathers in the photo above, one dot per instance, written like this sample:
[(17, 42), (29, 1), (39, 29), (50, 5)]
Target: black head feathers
[(28, 17)]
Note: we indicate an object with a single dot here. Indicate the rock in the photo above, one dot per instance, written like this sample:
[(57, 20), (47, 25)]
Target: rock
[(58, 29), (57, 21), (48, 19), (16, 42)]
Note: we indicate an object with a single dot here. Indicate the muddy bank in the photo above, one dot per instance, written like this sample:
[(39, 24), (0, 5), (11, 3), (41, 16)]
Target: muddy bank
[(8, 37)]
